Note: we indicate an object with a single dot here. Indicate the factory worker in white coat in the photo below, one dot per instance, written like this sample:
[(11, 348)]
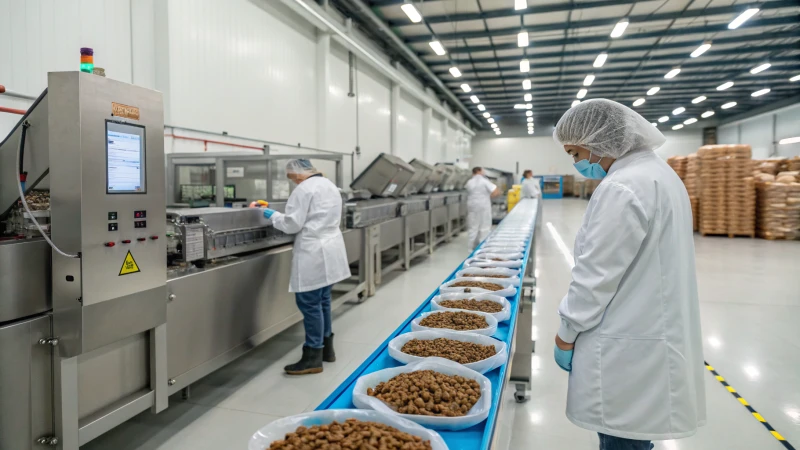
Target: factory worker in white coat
[(530, 185), (631, 315), (480, 192), (313, 213)]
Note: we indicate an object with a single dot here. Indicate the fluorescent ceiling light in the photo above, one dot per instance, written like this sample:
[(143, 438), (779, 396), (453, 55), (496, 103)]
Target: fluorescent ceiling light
[(465, 87), (689, 121), (524, 66), (678, 126), (526, 84), (437, 47), (728, 105), (528, 106), (481, 107), (600, 60), (697, 100), (619, 28), (497, 132), (575, 103), (700, 50), (527, 97), (742, 18), (455, 72), (522, 39), (582, 93), (530, 131), (639, 102), (487, 115), (529, 113), (474, 99), (761, 68), (663, 119), (791, 140), (760, 93), (588, 80), (530, 119), (672, 73), (490, 120), (707, 114), (653, 124), (494, 125), (677, 111), (520, 4), (519, 106), (411, 12), (530, 126), (653, 90), (724, 86), (794, 78)]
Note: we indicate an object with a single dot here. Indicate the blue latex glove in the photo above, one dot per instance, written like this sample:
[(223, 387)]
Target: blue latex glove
[(563, 358), (268, 212)]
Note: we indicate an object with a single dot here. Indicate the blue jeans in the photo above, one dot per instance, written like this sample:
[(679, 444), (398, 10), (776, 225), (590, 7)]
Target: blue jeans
[(616, 443), (316, 308)]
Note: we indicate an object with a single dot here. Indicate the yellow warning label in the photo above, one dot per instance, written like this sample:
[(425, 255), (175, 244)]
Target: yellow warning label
[(129, 266)]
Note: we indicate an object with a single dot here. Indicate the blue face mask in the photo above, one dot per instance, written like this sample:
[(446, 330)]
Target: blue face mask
[(590, 170)]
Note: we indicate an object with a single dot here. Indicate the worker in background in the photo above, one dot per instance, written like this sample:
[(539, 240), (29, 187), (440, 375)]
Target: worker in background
[(480, 192), (313, 213), (530, 185), (630, 322)]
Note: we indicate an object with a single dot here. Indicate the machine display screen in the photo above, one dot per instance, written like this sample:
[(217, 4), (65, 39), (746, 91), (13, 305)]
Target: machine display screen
[(125, 159)]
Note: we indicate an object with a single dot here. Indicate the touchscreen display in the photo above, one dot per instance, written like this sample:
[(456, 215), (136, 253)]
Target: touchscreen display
[(125, 159)]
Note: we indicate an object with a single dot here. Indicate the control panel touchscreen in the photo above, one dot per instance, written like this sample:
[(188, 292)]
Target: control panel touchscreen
[(125, 159)]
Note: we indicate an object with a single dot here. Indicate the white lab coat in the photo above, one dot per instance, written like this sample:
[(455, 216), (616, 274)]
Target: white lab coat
[(313, 212), (479, 209), (530, 188), (632, 305)]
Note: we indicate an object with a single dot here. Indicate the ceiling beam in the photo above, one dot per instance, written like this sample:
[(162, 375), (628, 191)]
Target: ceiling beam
[(754, 22)]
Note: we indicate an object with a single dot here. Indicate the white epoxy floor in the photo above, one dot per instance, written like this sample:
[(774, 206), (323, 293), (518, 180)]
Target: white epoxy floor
[(750, 305)]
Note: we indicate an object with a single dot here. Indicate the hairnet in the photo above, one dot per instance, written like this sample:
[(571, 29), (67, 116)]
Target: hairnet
[(300, 167), (607, 129)]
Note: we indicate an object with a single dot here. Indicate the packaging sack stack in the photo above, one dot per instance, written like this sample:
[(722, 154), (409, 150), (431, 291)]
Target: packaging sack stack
[(692, 183), (778, 210), (727, 193), (679, 165), (793, 164), (569, 185)]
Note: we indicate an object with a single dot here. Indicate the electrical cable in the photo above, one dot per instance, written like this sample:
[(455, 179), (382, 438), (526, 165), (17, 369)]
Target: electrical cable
[(25, 126)]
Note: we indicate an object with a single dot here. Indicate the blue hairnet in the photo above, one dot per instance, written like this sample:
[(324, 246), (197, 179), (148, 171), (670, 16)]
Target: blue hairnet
[(300, 167)]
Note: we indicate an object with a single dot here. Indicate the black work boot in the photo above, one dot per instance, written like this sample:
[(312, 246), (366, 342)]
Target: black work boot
[(328, 355), (311, 362)]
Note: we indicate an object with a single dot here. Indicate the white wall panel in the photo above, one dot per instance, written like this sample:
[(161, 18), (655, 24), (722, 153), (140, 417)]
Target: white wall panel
[(758, 133), (374, 115), (787, 124), (409, 128), (244, 67), (728, 134), (435, 140), (341, 116), (681, 143)]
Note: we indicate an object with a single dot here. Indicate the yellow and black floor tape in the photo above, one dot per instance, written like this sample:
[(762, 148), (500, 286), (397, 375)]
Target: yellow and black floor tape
[(755, 413)]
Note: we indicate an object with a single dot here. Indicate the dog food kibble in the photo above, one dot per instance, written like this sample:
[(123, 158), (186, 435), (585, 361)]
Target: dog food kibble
[(455, 320), (458, 351), (484, 275), (478, 284), (428, 393), (486, 306), (351, 434)]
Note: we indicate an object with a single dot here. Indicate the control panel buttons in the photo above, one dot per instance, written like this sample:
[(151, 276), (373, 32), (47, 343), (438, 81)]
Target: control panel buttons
[(112, 215), (141, 239), (139, 214), (126, 241), (140, 224), (113, 226), (110, 244), (154, 237)]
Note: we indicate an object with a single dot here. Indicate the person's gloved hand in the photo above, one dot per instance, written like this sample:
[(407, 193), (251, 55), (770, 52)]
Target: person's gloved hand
[(268, 212), (563, 358)]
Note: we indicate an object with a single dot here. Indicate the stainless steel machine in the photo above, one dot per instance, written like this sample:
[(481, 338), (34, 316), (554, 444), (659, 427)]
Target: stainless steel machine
[(504, 181), (109, 301)]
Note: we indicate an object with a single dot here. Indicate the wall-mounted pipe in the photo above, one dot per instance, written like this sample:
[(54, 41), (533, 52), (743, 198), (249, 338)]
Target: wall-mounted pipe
[(12, 110), (211, 141), (9, 93)]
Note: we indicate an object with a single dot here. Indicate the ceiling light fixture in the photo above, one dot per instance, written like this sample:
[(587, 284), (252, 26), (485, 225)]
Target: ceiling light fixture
[(653, 124), (678, 126), (530, 131), (653, 90), (494, 125), (524, 66), (455, 72), (529, 113), (481, 107), (575, 103), (527, 97), (742, 18), (497, 132), (411, 12), (761, 68), (600, 60), (663, 119), (487, 115), (791, 140), (519, 106), (639, 102), (689, 121), (760, 93), (588, 80), (700, 50), (582, 93), (437, 47), (673, 73), (474, 99), (520, 4), (728, 105), (697, 100), (522, 39), (465, 87), (794, 78), (490, 120), (530, 119), (619, 28), (679, 110), (707, 114), (724, 86), (526, 84)]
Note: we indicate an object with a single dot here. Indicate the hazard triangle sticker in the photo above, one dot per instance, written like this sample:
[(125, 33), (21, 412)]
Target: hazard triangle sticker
[(129, 266)]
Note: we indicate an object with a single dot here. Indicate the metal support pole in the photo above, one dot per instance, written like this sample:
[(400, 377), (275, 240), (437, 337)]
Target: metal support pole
[(158, 368), (323, 80), (65, 403)]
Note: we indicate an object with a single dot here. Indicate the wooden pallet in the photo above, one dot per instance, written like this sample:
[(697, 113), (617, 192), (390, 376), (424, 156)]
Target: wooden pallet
[(730, 235)]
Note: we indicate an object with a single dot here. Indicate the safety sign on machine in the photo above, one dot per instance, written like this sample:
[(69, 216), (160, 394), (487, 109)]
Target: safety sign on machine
[(129, 266)]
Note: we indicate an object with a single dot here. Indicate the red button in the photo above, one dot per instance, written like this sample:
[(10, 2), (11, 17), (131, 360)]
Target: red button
[(154, 237), (141, 239), (110, 244), (126, 241)]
